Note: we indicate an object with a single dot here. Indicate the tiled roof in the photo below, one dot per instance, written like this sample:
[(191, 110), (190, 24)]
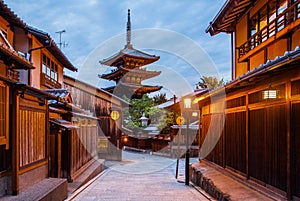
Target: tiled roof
[(42, 36), (270, 65), (10, 16), (129, 52), (51, 46), (229, 14)]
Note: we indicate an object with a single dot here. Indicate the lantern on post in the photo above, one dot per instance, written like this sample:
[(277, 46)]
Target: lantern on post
[(187, 105), (144, 120)]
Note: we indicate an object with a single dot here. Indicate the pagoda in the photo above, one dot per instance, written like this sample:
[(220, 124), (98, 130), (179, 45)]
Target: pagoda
[(128, 71)]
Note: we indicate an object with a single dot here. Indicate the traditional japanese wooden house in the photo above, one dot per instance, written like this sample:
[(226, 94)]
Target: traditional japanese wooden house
[(258, 119), (24, 111), (102, 105), (127, 70)]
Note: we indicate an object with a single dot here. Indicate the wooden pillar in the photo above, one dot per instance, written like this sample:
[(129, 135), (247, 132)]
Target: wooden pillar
[(15, 128), (70, 155), (224, 142), (47, 137), (288, 140), (247, 136)]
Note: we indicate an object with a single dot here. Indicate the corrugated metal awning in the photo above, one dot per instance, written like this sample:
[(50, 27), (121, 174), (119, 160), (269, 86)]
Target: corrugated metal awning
[(62, 124)]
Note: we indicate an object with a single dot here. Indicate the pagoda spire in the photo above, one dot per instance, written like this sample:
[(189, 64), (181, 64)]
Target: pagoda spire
[(128, 45)]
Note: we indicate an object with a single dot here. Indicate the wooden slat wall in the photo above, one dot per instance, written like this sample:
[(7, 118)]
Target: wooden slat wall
[(212, 137), (83, 146), (295, 149), (32, 136), (256, 144), (276, 146), (235, 141), (267, 141), (268, 145)]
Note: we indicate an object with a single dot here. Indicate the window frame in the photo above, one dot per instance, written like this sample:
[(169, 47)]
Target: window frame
[(49, 68)]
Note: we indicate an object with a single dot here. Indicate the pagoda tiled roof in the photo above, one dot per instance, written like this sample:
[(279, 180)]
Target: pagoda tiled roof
[(142, 87), (132, 53), (120, 72), (136, 88)]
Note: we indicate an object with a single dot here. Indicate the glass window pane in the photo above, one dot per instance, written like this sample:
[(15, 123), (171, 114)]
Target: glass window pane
[(44, 68), (52, 75), (254, 25), (55, 76), (282, 6), (48, 71)]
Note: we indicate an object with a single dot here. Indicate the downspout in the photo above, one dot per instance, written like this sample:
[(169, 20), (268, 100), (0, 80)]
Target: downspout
[(232, 56)]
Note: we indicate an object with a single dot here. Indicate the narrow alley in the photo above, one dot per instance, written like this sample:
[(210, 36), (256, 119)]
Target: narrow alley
[(139, 176)]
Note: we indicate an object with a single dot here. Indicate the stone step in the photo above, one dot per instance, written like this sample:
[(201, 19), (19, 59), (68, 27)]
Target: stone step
[(222, 186)]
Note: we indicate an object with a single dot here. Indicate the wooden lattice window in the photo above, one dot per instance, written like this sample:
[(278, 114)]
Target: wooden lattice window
[(295, 87), (3, 114), (32, 136), (236, 102)]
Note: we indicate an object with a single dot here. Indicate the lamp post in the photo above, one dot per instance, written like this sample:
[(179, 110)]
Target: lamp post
[(187, 104)]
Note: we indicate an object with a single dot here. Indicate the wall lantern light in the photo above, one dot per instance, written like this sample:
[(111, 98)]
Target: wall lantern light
[(115, 115), (270, 94)]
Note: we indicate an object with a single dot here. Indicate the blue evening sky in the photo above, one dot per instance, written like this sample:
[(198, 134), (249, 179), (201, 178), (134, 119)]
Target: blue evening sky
[(93, 24)]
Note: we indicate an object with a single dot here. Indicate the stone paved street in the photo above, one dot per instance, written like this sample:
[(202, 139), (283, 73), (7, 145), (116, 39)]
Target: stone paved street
[(139, 177)]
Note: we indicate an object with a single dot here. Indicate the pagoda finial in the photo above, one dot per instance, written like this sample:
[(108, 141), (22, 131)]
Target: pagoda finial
[(128, 30)]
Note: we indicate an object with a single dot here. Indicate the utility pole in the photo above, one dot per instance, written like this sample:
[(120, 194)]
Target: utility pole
[(60, 42)]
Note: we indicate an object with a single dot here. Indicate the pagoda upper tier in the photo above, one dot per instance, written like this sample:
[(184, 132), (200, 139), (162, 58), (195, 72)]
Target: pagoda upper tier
[(128, 70), (130, 58)]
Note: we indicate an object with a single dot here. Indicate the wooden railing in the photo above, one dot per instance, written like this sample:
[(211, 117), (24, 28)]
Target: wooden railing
[(284, 19), (49, 82), (13, 74)]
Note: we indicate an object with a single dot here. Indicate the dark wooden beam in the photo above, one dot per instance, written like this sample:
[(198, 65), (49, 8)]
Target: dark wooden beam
[(15, 142)]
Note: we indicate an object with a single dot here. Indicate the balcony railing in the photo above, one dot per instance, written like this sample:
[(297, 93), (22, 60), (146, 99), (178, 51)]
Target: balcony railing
[(284, 19), (49, 82), (13, 74)]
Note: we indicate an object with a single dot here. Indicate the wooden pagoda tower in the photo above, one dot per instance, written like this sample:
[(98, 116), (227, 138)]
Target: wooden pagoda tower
[(129, 71)]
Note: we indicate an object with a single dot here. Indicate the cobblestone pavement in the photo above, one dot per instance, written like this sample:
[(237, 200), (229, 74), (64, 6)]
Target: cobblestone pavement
[(139, 176)]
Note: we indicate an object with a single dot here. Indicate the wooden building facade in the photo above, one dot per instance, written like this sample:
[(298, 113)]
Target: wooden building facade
[(42, 133), (24, 111), (258, 124), (101, 104)]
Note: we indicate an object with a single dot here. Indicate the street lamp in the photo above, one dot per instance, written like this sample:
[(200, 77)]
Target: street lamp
[(187, 104)]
